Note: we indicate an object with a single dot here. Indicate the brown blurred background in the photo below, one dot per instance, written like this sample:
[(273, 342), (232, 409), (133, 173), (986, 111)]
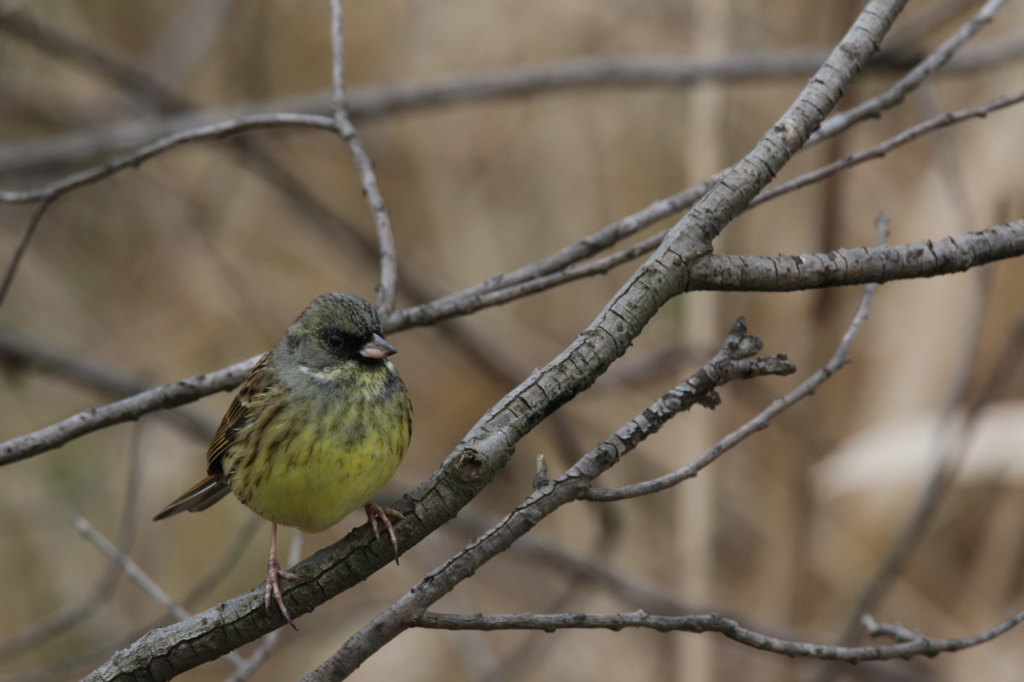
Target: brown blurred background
[(201, 257)]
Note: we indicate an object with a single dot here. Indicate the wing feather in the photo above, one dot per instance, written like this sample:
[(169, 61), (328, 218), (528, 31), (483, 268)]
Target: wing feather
[(213, 488), (238, 415)]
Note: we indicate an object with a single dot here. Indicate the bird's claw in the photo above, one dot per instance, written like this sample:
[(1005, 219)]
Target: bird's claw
[(274, 574), (375, 512)]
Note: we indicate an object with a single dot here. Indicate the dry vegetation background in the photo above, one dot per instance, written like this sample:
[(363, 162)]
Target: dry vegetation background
[(196, 260)]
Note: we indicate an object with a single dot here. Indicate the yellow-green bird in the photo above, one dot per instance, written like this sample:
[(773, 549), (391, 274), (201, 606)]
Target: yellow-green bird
[(319, 426)]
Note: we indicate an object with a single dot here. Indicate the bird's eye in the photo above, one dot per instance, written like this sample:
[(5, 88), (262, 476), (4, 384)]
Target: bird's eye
[(335, 340)]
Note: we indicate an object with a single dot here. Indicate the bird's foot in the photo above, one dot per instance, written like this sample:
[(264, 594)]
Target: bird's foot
[(274, 574), (375, 512)]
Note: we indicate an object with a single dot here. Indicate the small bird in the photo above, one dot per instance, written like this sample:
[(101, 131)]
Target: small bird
[(320, 425)]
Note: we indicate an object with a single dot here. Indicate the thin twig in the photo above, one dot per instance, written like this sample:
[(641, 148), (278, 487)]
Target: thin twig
[(883, 148), (895, 93), (22, 247), (146, 89), (242, 123), (104, 588), (21, 351), (477, 297), (920, 646), (949, 445), (558, 268), (387, 293), (161, 397), (448, 306), (146, 152), (133, 571), (456, 303), (758, 423), (216, 574), (630, 590), (469, 301)]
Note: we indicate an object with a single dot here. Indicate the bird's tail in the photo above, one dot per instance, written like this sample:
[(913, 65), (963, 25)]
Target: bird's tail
[(197, 498)]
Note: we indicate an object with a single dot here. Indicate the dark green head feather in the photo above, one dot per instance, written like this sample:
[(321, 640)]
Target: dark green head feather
[(330, 331)]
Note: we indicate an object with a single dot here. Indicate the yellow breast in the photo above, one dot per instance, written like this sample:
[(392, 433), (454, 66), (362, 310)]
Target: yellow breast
[(309, 461)]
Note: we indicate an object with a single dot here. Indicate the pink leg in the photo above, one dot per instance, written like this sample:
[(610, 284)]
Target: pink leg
[(374, 512), (275, 572)]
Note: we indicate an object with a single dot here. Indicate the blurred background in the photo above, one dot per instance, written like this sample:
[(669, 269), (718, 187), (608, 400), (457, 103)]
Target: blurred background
[(202, 256)]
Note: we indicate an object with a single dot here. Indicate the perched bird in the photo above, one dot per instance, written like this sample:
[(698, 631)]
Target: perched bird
[(319, 426)]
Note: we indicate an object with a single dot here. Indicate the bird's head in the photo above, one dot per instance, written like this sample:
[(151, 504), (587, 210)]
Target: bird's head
[(336, 330)]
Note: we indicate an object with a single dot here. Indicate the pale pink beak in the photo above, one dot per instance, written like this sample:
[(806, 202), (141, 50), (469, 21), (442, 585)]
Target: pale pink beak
[(377, 348)]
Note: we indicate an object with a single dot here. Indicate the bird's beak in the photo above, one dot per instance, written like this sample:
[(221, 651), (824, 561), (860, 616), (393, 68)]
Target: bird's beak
[(377, 348)]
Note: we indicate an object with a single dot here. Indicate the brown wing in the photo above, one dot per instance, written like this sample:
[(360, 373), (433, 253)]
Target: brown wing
[(212, 488), (237, 416)]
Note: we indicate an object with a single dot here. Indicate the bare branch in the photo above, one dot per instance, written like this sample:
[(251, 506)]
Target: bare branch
[(19, 250), (712, 273), (226, 379), (861, 265), (133, 571), (75, 613), (578, 72), (895, 94), (920, 646), (113, 69), (880, 150), (480, 296), (491, 294), (130, 568), (558, 268), (949, 445), (387, 293), (489, 445), (730, 363), (758, 423), (142, 154), (162, 397)]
